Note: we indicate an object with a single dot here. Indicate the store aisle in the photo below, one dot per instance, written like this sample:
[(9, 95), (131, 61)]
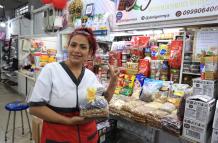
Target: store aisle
[(8, 95)]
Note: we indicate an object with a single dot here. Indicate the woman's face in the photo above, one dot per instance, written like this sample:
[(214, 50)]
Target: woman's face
[(78, 49)]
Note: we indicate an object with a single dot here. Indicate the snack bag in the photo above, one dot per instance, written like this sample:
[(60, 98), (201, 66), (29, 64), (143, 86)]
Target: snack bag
[(138, 86), (95, 106), (128, 85), (150, 89), (164, 52), (154, 52), (144, 67), (175, 59)]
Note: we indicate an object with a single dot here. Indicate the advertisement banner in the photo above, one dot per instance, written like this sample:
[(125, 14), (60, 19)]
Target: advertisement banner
[(142, 11)]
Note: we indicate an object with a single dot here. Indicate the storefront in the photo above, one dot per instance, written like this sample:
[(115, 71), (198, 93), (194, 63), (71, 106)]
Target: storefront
[(166, 52)]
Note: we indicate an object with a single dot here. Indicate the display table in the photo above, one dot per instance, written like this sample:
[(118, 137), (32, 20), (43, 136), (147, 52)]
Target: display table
[(146, 133)]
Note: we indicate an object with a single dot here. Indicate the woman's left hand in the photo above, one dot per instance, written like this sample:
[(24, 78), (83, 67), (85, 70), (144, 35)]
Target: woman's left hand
[(113, 73)]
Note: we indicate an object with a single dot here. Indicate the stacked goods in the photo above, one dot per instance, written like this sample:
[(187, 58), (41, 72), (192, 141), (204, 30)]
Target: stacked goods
[(96, 105), (205, 87), (172, 124), (140, 113), (215, 126), (153, 118), (211, 68), (199, 112)]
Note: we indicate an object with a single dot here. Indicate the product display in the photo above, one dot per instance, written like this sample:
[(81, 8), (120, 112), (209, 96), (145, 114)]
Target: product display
[(166, 61)]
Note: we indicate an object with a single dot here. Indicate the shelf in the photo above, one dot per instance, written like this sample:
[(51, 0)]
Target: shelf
[(188, 52), (191, 61), (189, 73), (187, 61)]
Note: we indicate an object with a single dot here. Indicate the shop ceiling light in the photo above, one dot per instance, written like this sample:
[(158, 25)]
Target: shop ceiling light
[(2, 24), (1, 6)]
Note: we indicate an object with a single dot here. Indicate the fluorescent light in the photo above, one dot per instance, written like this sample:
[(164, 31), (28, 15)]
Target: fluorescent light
[(2, 24), (1, 6)]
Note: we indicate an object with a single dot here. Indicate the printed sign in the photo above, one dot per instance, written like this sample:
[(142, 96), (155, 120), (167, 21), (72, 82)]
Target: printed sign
[(141, 11)]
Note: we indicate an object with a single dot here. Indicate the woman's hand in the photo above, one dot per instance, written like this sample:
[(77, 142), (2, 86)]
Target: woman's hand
[(78, 120), (113, 73)]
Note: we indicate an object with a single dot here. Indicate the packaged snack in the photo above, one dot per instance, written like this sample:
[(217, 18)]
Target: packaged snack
[(95, 106), (175, 59), (154, 52), (164, 52), (132, 68), (150, 89), (177, 92), (168, 107), (171, 124), (144, 67), (138, 86)]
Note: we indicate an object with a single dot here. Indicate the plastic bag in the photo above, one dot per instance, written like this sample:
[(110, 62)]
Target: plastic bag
[(95, 106), (150, 89)]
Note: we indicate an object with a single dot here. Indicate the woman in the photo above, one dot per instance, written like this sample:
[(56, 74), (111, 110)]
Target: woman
[(61, 87)]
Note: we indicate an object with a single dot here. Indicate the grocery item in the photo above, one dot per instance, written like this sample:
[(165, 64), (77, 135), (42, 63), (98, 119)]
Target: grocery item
[(154, 52), (150, 89), (172, 124), (95, 106), (138, 86), (144, 67), (168, 107), (175, 59), (164, 52), (178, 91), (164, 72)]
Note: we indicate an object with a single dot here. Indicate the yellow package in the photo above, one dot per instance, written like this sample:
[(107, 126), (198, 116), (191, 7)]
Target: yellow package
[(91, 94)]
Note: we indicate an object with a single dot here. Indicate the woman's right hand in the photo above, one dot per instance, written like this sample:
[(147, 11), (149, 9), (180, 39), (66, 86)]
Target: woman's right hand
[(78, 120)]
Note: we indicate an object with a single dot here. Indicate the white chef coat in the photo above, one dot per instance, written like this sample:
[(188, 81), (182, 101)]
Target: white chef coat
[(55, 87)]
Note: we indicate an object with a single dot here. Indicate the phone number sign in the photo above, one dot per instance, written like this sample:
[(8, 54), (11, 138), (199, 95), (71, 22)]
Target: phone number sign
[(141, 11)]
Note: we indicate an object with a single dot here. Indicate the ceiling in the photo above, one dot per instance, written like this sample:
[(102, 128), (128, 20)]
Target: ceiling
[(11, 5)]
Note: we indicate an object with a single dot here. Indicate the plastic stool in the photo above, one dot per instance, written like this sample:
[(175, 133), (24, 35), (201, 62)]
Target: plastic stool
[(17, 106)]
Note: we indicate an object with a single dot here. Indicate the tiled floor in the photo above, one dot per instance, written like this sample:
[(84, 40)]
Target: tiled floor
[(8, 95)]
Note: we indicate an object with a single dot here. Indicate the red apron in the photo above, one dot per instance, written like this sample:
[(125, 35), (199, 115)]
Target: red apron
[(59, 133)]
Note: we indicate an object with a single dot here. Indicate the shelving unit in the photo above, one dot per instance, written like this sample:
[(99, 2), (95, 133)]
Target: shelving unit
[(189, 73)]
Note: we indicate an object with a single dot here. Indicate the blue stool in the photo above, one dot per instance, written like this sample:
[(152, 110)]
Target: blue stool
[(17, 106)]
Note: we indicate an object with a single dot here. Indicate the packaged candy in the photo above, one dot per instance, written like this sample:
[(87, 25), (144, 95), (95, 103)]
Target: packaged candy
[(95, 106)]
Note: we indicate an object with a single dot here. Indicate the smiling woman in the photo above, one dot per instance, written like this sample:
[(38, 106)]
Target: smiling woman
[(62, 87)]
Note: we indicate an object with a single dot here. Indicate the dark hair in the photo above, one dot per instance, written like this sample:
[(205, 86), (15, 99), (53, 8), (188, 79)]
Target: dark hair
[(89, 35)]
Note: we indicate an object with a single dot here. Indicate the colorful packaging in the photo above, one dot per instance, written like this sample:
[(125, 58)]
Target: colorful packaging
[(175, 59), (154, 52), (164, 52), (144, 67), (138, 86)]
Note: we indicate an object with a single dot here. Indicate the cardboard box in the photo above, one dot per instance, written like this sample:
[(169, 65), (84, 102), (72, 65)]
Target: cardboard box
[(211, 64), (196, 131), (211, 75), (211, 67), (215, 119), (205, 87), (214, 136), (36, 129), (200, 108)]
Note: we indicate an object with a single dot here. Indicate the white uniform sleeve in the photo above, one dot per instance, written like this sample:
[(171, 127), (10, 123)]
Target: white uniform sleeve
[(42, 89)]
